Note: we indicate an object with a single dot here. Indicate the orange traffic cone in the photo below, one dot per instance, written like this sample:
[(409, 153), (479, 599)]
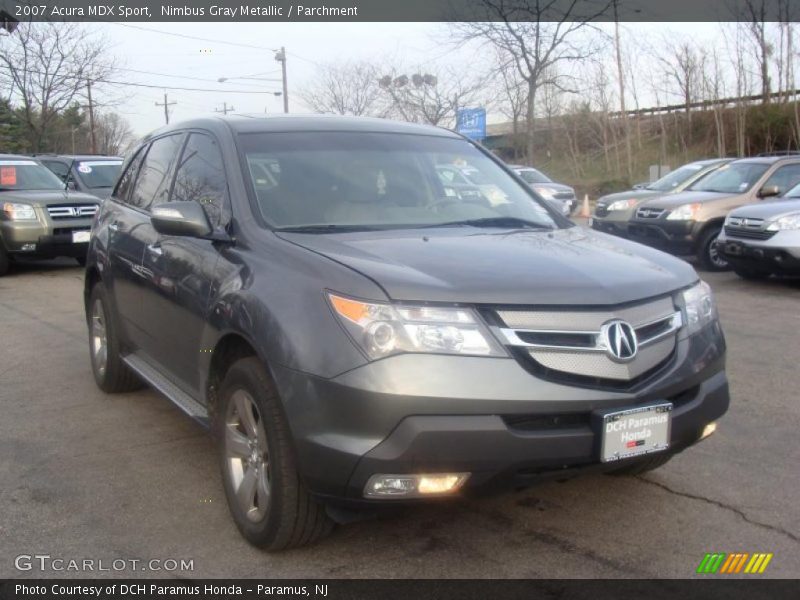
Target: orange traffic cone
[(585, 212)]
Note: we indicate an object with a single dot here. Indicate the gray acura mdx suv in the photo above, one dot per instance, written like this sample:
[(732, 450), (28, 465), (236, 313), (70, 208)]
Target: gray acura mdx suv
[(356, 337)]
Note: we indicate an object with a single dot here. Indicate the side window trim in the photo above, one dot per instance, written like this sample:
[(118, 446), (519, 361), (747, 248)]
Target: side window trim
[(132, 164)]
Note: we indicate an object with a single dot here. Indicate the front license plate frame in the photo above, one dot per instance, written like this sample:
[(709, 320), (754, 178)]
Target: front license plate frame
[(631, 432), (81, 237)]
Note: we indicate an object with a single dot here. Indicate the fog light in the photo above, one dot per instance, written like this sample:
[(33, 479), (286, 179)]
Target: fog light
[(414, 486), (708, 430), (28, 247)]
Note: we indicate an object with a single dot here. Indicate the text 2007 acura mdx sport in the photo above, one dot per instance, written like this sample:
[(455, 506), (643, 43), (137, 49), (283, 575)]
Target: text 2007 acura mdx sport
[(357, 338)]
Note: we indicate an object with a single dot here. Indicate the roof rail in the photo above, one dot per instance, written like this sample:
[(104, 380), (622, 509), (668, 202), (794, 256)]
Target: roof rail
[(780, 153)]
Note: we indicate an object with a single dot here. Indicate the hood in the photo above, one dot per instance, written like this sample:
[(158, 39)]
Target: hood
[(767, 210), (47, 197), (572, 266), (637, 194), (670, 201)]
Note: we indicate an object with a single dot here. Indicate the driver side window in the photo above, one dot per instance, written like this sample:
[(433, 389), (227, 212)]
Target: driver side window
[(200, 177)]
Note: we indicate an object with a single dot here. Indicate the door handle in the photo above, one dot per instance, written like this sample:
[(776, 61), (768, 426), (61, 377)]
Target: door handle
[(155, 249)]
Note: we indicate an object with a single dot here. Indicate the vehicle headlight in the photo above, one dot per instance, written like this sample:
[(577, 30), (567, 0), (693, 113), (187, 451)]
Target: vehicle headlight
[(700, 307), (545, 192), (16, 211), (622, 204), (685, 212), (382, 329), (785, 222)]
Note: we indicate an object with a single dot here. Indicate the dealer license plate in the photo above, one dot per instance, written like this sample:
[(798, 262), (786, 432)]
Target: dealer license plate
[(635, 431), (79, 237)]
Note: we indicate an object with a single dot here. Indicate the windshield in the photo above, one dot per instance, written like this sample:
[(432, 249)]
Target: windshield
[(97, 173), (733, 178), (338, 180), (672, 180), (533, 176), (27, 175)]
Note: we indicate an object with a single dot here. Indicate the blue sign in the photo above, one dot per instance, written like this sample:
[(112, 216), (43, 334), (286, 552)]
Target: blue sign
[(471, 122)]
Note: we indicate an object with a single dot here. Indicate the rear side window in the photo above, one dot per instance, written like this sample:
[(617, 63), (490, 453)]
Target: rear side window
[(200, 177), (125, 183), (152, 185)]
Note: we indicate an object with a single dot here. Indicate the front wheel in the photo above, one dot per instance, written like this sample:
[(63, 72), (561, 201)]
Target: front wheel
[(708, 253), (267, 499)]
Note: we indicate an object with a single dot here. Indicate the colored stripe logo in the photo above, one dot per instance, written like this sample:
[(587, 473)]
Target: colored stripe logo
[(736, 562)]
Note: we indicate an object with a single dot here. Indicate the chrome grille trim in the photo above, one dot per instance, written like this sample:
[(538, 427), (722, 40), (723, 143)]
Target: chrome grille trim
[(72, 211), (646, 212), (511, 337)]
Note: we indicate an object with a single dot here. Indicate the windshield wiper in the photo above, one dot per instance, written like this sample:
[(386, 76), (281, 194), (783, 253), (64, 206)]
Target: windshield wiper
[(330, 228), (513, 222)]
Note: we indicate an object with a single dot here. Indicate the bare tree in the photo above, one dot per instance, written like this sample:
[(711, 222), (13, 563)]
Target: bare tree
[(621, 83), (514, 96), (755, 12), (537, 35), (114, 134), (46, 67), (349, 88)]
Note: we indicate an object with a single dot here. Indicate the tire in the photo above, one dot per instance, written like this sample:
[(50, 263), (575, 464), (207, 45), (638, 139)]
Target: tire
[(5, 261), (275, 511), (707, 254), (751, 274), (642, 466), (81, 260), (110, 373)]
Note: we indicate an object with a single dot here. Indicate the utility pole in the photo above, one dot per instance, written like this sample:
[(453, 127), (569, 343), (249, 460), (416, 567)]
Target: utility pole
[(280, 56), (166, 106), (91, 116), (225, 109)]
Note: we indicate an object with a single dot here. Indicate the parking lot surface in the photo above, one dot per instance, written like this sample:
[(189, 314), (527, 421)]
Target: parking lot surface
[(84, 475)]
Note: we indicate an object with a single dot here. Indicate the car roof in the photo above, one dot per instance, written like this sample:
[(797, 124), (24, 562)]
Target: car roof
[(294, 123), (18, 157), (767, 160)]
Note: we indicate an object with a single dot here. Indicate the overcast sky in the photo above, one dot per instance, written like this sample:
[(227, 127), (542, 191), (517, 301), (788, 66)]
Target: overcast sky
[(199, 64)]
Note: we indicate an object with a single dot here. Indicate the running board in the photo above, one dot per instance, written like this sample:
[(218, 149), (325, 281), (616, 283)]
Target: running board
[(178, 397)]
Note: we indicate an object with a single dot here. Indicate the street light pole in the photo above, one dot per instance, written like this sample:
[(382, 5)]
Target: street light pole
[(280, 56)]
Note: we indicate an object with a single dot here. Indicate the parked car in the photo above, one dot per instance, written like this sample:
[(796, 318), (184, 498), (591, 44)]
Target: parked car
[(613, 211), (90, 174), (40, 218), (688, 224), (763, 239), (356, 338), (560, 196)]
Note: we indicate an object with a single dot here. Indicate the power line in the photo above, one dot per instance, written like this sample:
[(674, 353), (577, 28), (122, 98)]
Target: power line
[(188, 77), (153, 86), (194, 37)]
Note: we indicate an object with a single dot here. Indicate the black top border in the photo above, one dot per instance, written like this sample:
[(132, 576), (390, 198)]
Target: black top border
[(400, 10)]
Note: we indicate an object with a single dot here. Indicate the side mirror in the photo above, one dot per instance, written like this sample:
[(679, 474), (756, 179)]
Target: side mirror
[(768, 191), (180, 218), (70, 185)]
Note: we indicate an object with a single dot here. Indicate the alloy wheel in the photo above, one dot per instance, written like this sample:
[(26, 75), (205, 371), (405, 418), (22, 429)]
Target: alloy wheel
[(714, 255), (247, 455)]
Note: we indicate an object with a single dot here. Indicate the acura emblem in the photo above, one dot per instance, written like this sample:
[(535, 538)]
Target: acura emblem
[(619, 339)]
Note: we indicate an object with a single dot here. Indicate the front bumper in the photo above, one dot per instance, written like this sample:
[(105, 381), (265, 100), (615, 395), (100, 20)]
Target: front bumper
[(778, 254), (618, 227), (39, 239), (486, 416), (675, 237)]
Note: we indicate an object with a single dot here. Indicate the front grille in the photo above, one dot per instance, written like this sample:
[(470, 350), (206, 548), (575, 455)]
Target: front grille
[(748, 234), (575, 343), (645, 212), (601, 210), (547, 422), (72, 211)]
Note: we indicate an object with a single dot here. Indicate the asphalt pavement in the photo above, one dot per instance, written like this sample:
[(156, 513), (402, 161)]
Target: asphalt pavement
[(89, 476)]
